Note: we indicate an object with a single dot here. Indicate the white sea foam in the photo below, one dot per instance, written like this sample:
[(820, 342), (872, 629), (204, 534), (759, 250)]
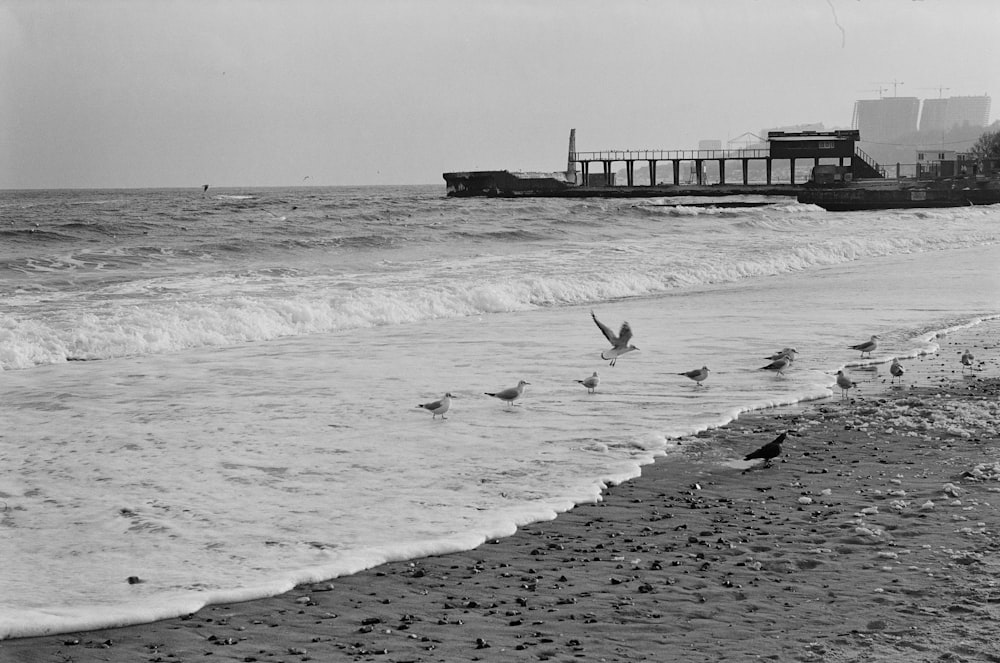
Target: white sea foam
[(150, 317)]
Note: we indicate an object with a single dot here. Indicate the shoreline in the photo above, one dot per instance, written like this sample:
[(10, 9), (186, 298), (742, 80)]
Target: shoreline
[(863, 540)]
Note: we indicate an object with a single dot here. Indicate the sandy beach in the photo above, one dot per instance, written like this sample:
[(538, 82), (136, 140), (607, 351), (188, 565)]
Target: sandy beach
[(872, 537)]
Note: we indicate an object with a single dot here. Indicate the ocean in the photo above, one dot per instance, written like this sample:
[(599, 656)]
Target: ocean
[(211, 396)]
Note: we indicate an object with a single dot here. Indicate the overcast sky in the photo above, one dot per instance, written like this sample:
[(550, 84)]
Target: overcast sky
[(160, 93)]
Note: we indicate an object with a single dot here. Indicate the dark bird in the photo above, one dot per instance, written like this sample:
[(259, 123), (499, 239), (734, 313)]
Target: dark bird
[(619, 343), (769, 451)]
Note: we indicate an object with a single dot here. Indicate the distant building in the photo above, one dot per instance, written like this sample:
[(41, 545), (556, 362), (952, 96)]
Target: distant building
[(932, 114), (944, 114), (882, 120), (792, 128), (710, 144)]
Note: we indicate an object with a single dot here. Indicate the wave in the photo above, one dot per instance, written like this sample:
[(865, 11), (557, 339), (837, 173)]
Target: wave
[(170, 314)]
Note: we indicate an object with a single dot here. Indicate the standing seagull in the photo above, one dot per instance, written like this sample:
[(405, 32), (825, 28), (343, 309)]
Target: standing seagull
[(698, 375), (591, 383), (844, 383), (785, 352), (619, 344), (967, 361), (897, 370), (768, 451), (867, 346), (511, 394), (438, 407), (779, 365)]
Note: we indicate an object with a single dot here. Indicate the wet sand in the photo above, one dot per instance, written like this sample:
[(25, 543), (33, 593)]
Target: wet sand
[(872, 537)]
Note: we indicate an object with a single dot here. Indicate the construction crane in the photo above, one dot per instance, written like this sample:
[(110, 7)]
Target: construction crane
[(939, 89), (879, 89), (894, 83)]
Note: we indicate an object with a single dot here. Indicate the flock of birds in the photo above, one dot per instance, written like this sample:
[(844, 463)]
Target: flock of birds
[(621, 344)]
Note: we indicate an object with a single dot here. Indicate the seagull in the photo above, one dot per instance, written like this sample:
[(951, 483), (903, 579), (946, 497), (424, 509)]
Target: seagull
[(591, 383), (967, 360), (439, 407), (511, 394), (698, 375), (844, 383), (785, 352), (779, 365), (768, 451), (619, 344), (867, 346), (897, 370)]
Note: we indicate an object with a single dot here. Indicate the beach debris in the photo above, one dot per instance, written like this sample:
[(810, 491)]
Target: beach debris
[(591, 382), (867, 346), (697, 374), (844, 383), (439, 406), (511, 394), (983, 472), (619, 344), (769, 451)]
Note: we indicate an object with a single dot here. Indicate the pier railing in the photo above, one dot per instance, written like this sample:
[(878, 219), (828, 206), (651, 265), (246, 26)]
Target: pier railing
[(670, 155)]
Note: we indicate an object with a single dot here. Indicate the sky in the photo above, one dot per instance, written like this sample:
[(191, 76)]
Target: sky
[(245, 93)]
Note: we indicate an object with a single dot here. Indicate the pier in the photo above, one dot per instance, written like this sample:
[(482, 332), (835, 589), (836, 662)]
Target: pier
[(758, 169), (830, 147)]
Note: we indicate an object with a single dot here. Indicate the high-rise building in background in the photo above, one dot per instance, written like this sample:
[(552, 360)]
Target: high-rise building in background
[(943, 114), (890, 132), (882, 120), (932, 114)]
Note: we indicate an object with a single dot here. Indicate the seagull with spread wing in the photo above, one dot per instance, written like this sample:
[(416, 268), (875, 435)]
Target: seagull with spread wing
[(619, 344)]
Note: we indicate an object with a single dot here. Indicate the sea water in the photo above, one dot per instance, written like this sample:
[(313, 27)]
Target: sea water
[(211, 396)]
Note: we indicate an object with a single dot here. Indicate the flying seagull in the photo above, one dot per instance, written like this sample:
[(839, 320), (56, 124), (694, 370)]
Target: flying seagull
[(509, 395), (867, 346), (769, 451), (698, 375), (438, 407), (844, 383), (897, 370), (967, 360), (591, 383), (619, 343)]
